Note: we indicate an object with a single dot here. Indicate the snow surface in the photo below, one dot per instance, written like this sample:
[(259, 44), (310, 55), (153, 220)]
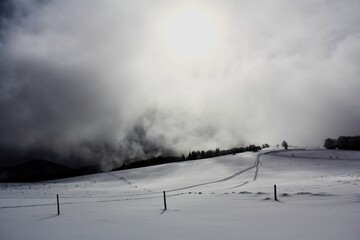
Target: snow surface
[(228, 197)]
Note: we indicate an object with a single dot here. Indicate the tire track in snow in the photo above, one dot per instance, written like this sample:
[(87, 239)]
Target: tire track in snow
[(240, 185), (256, 165), (257, 162)]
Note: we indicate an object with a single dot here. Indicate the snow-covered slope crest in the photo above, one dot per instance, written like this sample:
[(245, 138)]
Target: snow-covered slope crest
[(227, 197)]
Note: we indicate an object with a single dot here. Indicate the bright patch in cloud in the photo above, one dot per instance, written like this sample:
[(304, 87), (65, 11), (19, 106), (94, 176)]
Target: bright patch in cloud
[(189, 32)]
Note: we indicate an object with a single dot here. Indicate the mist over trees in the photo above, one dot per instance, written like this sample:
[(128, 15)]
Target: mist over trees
[(217, 152), (193, 155), (343, 142)]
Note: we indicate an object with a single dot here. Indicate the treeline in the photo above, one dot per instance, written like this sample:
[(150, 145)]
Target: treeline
[(343, 142), (217, 152), (193, 155)]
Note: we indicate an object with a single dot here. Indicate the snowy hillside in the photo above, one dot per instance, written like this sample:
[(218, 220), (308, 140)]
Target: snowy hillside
[(228, 197)]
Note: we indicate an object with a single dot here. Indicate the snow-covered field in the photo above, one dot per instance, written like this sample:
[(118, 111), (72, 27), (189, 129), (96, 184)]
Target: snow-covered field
[(229, 197)]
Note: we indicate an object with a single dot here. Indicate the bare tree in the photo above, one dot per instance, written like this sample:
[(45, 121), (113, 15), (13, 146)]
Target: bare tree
[(285, 144)]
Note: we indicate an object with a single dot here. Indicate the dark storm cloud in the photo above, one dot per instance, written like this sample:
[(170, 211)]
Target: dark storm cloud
[(91, 79)]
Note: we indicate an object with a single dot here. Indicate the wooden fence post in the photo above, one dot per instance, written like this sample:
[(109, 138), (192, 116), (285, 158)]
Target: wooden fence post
[(58, 204), (275, 194), (165, 207)]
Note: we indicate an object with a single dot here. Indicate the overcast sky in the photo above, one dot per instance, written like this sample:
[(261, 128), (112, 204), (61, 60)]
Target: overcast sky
[(181, 75)]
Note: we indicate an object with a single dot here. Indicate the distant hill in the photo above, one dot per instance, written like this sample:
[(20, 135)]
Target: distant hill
[(35, 170)]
